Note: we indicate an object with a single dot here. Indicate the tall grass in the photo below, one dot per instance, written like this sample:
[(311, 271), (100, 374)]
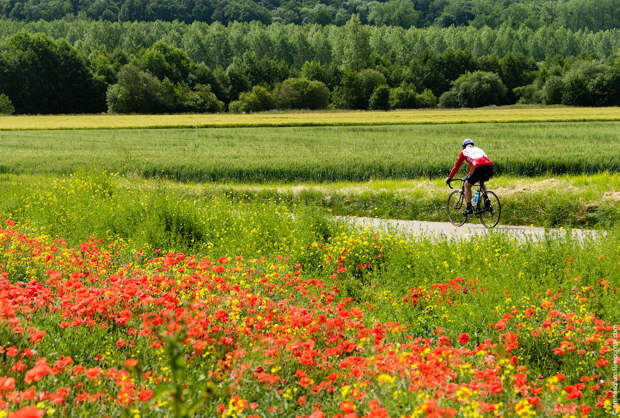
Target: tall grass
[(565, 201), (77, 207), (320, 154)]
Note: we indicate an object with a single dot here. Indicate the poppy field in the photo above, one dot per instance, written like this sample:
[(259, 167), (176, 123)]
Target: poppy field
[(259, 309)]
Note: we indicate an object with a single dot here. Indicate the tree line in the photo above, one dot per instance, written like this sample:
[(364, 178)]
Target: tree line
[(254, 67), (573, 14)]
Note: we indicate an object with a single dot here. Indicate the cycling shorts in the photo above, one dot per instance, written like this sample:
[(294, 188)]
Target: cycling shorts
[(480, 174)]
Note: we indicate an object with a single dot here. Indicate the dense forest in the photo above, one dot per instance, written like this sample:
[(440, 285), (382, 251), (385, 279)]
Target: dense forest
[(77, 64), (572, 14)]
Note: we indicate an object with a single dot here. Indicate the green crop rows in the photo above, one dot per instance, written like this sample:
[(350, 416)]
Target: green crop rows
[(319, 154)]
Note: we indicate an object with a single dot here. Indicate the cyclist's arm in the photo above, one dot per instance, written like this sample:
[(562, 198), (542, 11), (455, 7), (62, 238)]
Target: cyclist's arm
[(457, 165)]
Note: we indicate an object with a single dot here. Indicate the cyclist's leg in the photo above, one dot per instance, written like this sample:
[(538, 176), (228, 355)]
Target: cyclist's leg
[(467, 192), (487, 175), (471, 180)]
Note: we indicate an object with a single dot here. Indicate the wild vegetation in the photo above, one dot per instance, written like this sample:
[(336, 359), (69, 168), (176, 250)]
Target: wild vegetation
[(287, 315), (584, 201)]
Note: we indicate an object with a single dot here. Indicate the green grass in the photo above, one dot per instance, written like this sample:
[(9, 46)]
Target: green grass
[(582, 201), (77, 207), (318, 154)]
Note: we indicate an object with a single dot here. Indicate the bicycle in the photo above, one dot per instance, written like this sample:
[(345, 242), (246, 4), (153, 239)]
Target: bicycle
[(488, 214)]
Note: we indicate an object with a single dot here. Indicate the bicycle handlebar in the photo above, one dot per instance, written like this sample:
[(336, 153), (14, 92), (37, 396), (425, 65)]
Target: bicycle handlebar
[(463, 180)]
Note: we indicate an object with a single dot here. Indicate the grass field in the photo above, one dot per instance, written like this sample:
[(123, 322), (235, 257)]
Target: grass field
[(319, 154), (399, 117)]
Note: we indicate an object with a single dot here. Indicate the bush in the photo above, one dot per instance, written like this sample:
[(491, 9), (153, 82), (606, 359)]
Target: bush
[(349, 94), (370, 80), (552, 90), (426, 99), (529, 94), (449, 99), (403, 97), (235, 107), (380, 98), (479, 88), (300, 93), (6, 106), (605, 89), (259, 99), (198, 99), (576, 92)]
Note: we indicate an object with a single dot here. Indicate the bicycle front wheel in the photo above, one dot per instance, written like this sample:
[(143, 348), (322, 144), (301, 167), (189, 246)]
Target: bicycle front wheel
[(489, 214), (455, 208)]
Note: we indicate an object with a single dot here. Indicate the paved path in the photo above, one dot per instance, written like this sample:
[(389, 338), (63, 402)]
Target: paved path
[(445, 230)]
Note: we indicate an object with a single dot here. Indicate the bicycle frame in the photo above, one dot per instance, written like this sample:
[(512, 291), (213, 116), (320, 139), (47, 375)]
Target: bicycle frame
[(489, 212), (482, 197)]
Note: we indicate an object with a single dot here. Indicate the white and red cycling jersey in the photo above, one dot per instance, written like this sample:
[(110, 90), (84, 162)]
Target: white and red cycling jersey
[(474, 157)]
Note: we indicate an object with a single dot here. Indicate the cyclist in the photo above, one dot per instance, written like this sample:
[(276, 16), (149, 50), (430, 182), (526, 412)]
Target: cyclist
[(481, 170)]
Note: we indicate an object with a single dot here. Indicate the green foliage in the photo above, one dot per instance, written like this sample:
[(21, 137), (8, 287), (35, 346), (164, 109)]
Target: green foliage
[(351, 61), (349, 94), (6, 106), (380, 98), (136, 92), (200, 99), (329, 74), (476, 89), (394, 13), (426, 99), (534, 14), (43, 76), (300, 93), (369, 80), (552, 90), (403, 97), (449, 99), (576, 92), (516, 70), (259, 99), (436, 71), (356, 45), (529, 94), (238, 80), (605, 88), (164, 61)]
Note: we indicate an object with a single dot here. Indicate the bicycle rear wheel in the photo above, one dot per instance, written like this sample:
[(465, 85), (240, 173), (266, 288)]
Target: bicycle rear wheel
[(455, 208), (489, 216)]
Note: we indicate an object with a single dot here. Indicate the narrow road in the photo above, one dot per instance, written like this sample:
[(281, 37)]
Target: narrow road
[(445, 230)]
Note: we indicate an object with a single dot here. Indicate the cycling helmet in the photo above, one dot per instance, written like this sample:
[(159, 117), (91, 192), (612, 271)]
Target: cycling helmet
[(467, 142)]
